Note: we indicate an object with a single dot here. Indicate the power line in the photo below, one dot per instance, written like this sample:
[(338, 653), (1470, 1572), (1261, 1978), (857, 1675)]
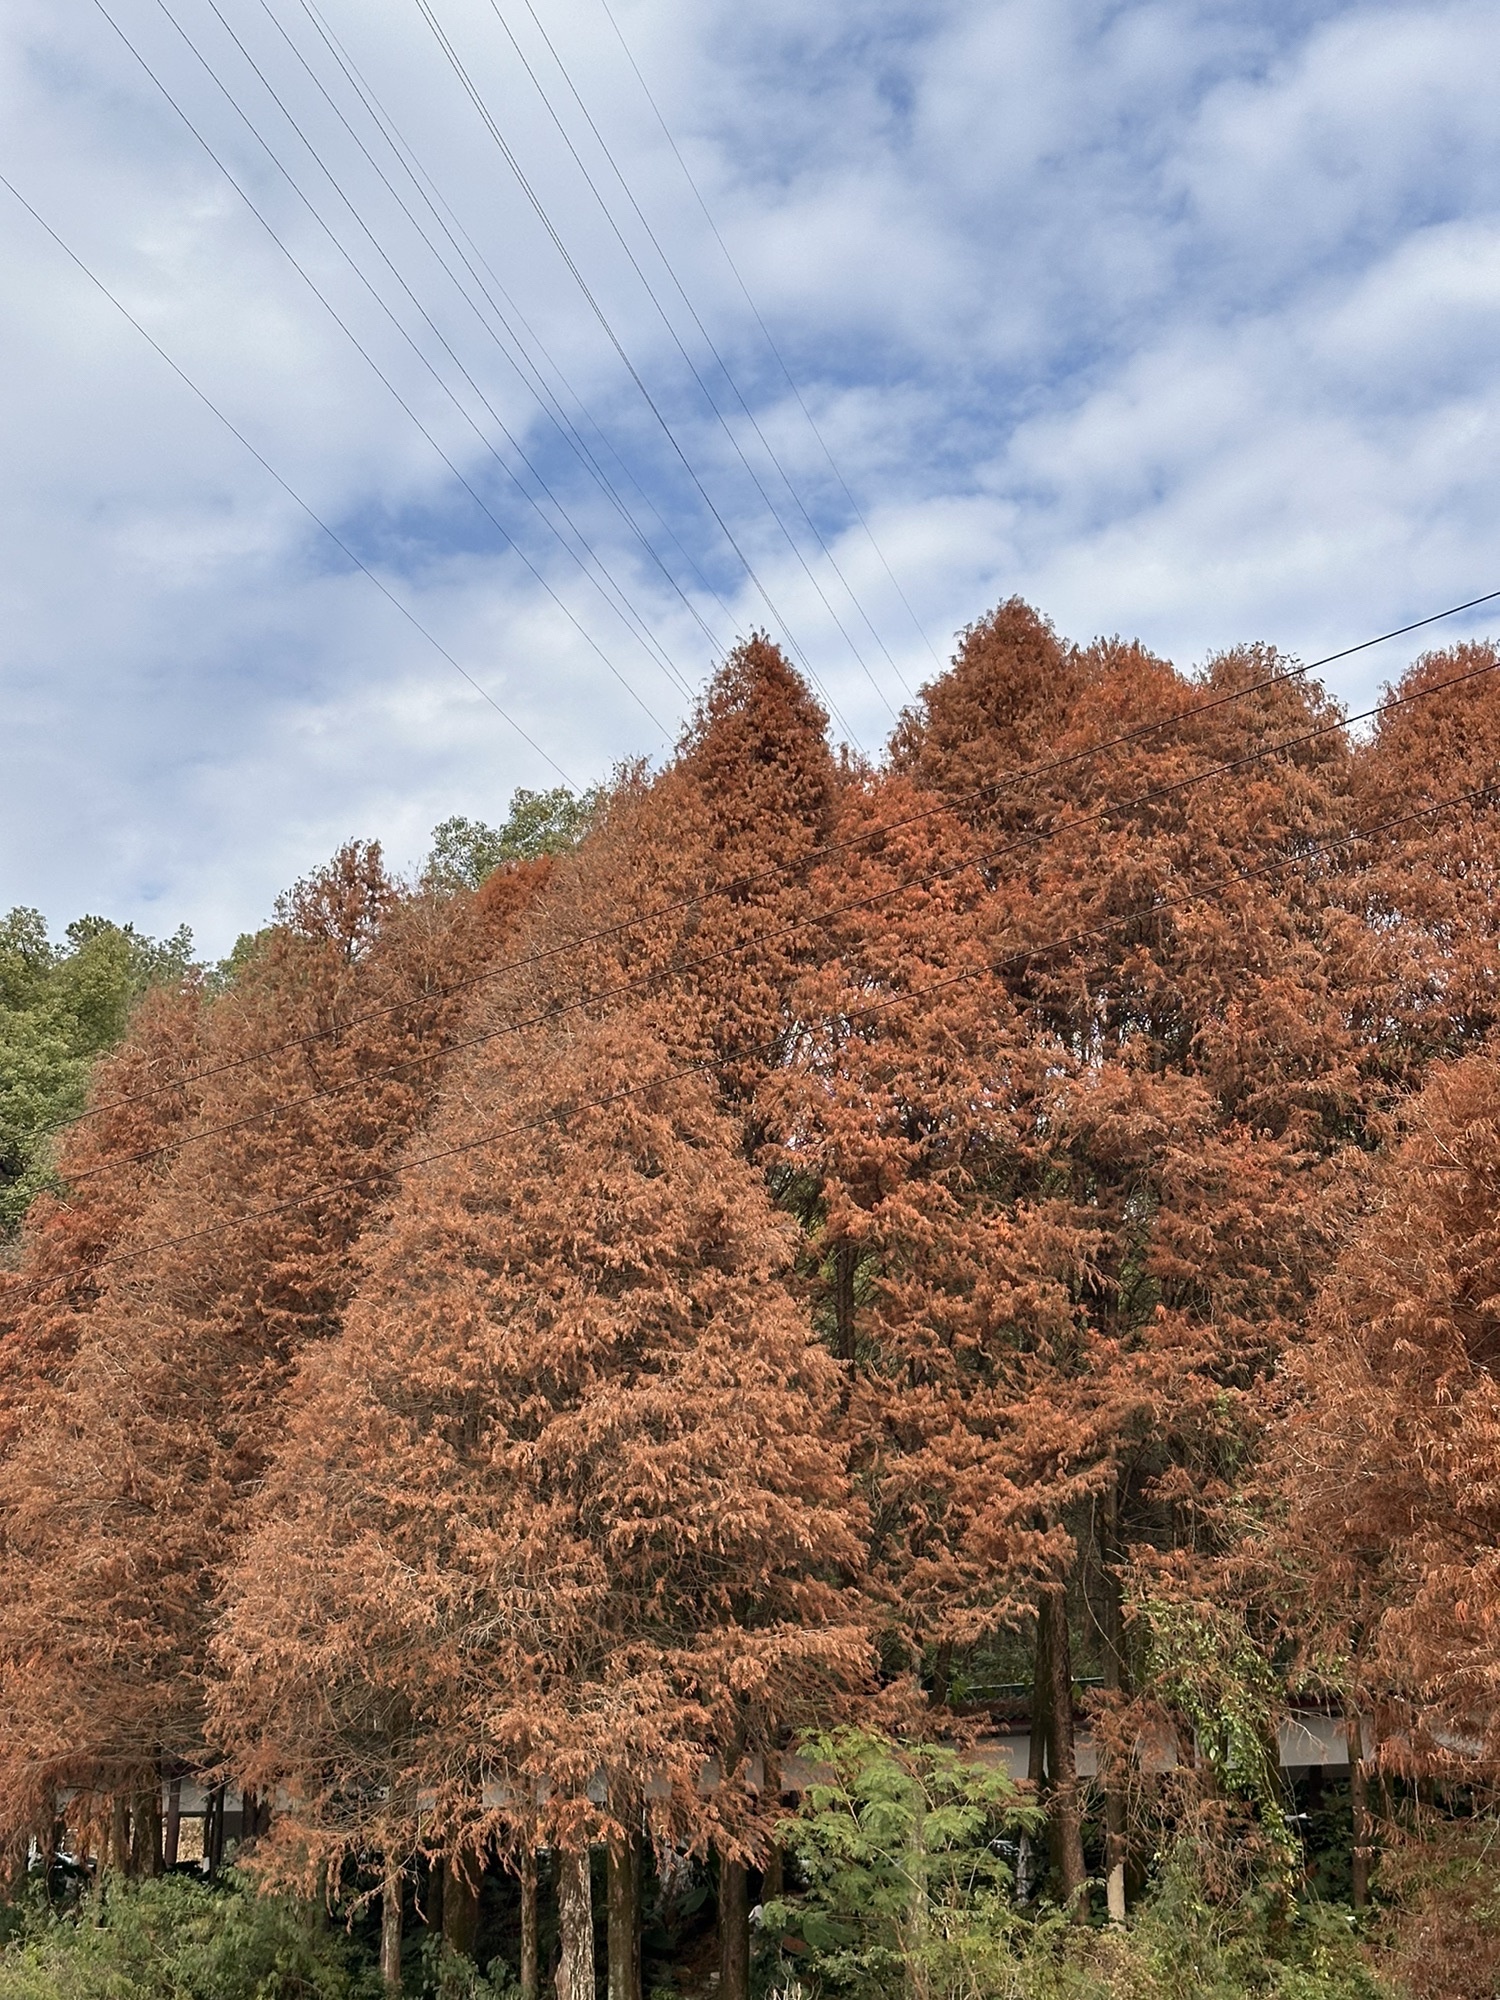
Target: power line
[(703, 330), (525, 369), (434, 200), (476, 98), (709, 1065), (344, 327), (614, 594), (818, 919), (775, 350), (738, 884), (290, 491)]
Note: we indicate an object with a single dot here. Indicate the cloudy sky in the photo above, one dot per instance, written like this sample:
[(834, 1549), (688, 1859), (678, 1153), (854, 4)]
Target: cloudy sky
[(474, 363)]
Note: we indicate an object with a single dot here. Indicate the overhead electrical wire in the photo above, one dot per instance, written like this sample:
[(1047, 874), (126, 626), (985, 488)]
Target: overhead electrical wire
[(561, 1112), (515, 353), (708, 338), (816, 919), (692, 366), (448, 221), (737, 885), (291, 492), (614, 593), (791, 383), (507, 153), (507, 537)]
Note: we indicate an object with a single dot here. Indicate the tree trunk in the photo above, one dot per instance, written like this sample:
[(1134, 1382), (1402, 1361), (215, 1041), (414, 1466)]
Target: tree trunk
[(531, 1980), (462, 1877), (390, 1932), (734, 1931), (845, 1264), (172, 1832), (773, 1877), (145, 1833), (213, 1830), (1064, 1812), (625, 1919), (1041, 1707), (1116, 1845), (575, 1910), (942, 1674), (118, 1858), (918, 1911), (1359, 1801)]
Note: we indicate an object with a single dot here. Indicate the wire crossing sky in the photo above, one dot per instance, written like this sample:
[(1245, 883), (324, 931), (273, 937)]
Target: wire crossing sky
[(603, 334)]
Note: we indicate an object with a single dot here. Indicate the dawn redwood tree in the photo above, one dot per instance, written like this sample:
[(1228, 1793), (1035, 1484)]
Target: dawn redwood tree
[(140, 1097), (123, 1503), (560, 1517), (698, 879), (1429, 887), (1070, 1207), (1387, 1465)]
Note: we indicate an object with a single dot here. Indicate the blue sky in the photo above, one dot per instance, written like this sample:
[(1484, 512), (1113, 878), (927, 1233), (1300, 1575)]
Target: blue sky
[(1179, 319)]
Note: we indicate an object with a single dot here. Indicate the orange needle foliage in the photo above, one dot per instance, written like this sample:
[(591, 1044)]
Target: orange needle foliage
[(1389, 1463), (44, 1302), (123, 1500), (560, 1514), (1067, 1208)]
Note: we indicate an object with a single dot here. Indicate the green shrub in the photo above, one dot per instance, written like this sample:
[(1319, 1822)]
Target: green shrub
[(177, 1939)]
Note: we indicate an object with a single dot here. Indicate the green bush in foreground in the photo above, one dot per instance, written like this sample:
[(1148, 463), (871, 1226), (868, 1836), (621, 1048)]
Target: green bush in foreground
[(176, 1939), (904, 1895)]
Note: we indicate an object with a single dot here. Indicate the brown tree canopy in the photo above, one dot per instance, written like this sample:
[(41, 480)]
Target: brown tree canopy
[(140, 1098), (1388, 1465), (121, 1503), (560, 1515), (1067, 1089)]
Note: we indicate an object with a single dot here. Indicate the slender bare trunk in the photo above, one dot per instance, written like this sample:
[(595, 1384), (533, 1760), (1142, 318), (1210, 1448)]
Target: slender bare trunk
[(845, 1264), (575, 1910), (213, 1830), (1359, 1802), (734, 1931), (145, 1833), (390, 1932), (1115, 1777), (172, 1831), (625, 1918), (117, 1857), (463, 1875), (918, 1911), (773, 1877), (1064, 1810), (531, 1979), (1041, 1707)]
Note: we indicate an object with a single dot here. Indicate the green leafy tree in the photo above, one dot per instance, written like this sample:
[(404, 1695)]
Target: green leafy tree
[(902, 1850), (465, 851), (61, 1006)]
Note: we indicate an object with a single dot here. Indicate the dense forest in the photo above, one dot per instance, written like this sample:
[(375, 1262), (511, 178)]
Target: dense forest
[(790, 1378)]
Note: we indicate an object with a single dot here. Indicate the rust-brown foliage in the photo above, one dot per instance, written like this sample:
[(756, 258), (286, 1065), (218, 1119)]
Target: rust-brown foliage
[(121, 1504), (1067, 1208), (560, 1514), (1390, 1458), (140, 1097)]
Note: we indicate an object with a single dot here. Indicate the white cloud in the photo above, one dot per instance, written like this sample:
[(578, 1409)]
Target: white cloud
[(1179, 318)]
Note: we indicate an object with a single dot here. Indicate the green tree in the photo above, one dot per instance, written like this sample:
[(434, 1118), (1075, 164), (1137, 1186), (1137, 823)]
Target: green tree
[(901, 1850), (464, 851), (61, 1006)]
